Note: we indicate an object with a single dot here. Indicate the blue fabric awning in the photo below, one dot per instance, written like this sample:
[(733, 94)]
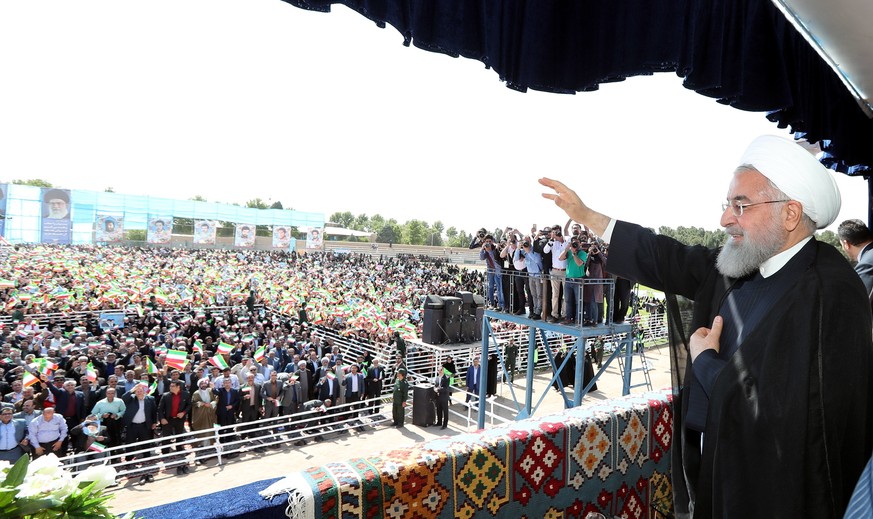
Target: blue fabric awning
[(744, 53)]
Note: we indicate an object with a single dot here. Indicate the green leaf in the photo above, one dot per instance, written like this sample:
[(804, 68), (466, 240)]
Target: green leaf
[(7, 495), (32, 506), (16, 474)]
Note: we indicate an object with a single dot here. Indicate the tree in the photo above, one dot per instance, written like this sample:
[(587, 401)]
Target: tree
[(377, 222), (109, 189), (344, 220), (198, 198), (361, 223), (389, 233), (415, 232), (257, 203), (276, 205), (37, 182), (436, 234)]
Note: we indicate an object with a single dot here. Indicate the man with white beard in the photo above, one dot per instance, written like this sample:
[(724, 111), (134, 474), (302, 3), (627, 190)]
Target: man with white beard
[(776, 417)]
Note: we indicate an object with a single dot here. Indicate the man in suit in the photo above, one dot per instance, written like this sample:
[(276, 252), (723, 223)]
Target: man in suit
[(251, 407), (228, 407), (89, 394), (69, 403), (328, 387), (375, 375), (13, 436), (271, 393), (354, 387), (857, 240), (173, 412), (443, 391), (140, 420), (472, 379)]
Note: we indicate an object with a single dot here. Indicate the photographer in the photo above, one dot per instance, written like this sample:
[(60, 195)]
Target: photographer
[(533, 262), (516, 271), (556, 247), (495, 271), (575, 257), (478, 239), (593, 295)]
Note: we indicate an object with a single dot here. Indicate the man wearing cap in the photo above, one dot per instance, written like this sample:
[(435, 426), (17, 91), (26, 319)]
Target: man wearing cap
[(775, 407)]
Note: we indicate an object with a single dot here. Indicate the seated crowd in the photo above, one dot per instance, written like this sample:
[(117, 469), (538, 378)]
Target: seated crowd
[(75, 382)]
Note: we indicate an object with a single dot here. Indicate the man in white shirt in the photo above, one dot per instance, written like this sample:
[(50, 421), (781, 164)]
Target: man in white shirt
[(556, 246), (47, 433)]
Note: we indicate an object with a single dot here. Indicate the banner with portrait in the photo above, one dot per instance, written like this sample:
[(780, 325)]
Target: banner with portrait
[(55, 226), (314, 239), (204, 232), (244, 235), (282, 237), (3, 190), (109, 228), (160, 229)]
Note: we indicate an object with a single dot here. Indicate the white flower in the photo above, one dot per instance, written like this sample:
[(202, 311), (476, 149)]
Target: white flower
[(43, 485), (48, 465), (103, 475)]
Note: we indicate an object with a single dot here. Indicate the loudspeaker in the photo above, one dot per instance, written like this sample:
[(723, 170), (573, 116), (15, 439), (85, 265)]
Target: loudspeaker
[(453, 329), (478, 301), (432, 301), (466, 302), (434, 322), (468, 329), (423, 410), (453, 306), (477, 330)]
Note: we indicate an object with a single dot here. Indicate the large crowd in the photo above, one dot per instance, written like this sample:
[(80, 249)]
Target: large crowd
[(105, 346)]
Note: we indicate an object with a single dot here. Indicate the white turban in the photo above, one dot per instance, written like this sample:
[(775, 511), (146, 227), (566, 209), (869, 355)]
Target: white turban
[(798, 174)]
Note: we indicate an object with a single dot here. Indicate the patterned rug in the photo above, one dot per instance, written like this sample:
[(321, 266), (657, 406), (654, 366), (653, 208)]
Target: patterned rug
[(612, 458)]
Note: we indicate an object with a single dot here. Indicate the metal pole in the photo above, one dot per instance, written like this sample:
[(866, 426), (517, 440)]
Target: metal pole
[(580, 367), (628, 363), (483, 373)]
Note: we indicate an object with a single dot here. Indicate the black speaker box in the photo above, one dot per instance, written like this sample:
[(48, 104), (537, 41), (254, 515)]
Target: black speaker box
[(468, 329), (434, 322), (466, 302), (477, 330), (453, 329), (453, 306), (432, 301), (423, 410)]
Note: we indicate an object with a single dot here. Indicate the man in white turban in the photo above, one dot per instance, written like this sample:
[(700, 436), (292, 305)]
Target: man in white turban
[(776, 417)]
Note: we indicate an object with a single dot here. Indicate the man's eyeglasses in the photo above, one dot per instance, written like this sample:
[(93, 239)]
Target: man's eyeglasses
[(737, 208)]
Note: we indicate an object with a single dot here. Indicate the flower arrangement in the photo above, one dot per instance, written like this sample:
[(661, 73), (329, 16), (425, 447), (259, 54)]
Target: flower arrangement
[(44, 489)]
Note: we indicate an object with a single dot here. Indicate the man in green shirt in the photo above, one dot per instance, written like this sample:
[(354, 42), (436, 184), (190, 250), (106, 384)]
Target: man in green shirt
[(401, 393), (576, 258)]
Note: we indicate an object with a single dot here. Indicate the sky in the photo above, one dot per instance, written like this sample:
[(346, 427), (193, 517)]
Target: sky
[(237, 99)]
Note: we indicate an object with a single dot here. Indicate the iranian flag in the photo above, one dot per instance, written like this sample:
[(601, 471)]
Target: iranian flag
[(177, 358), (29, 379), (153, 387), (91, 372), (219, 362), (260, 354), (451, 376), (97, 447), (331, 375), (7, 283), (150, 367), (224, 348), (198, 347)]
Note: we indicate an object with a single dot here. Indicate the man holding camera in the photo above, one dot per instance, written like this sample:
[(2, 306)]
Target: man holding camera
[(575, 257), (495, 271), (556, 246), (533, 263), (517, 272)]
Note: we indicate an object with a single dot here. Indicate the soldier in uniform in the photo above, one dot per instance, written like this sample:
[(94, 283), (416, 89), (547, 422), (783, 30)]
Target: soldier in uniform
[(401, 393)]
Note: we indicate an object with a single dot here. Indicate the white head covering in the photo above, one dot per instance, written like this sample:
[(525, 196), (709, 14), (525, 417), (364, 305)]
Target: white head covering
[(798, 174)]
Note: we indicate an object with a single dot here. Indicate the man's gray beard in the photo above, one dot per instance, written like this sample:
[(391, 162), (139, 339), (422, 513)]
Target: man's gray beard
[(736, 260)]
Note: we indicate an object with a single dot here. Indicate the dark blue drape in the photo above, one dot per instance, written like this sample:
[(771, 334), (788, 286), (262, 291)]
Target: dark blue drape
[(744, 53)]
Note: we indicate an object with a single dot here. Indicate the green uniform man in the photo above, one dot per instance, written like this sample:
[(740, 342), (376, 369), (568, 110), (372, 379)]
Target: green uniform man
[(401, 393)]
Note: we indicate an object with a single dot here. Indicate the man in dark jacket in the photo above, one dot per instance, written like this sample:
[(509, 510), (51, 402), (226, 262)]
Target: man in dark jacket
[(173, 412), (776, 411)]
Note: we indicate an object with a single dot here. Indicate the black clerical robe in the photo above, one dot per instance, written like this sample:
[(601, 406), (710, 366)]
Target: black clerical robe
[(789, 422)]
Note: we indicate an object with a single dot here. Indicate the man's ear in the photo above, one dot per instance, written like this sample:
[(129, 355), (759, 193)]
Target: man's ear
[(793, 214)]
